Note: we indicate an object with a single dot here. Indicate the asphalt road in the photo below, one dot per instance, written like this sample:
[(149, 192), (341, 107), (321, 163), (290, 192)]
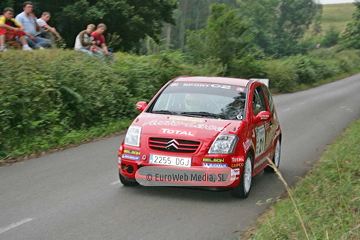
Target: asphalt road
[(75, 194)]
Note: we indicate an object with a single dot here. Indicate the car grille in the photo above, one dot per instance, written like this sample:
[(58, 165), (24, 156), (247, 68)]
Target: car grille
[(173, 145)]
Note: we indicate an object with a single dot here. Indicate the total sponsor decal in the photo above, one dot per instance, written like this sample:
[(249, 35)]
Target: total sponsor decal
[(237, 159), (184, 124), (214, 160), (215, 165), (178, 132), (247, 144), (235, 165), (131, 157), (132, 152)]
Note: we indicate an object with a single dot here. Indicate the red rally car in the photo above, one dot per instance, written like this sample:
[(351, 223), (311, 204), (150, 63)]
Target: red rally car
[(199, 125)]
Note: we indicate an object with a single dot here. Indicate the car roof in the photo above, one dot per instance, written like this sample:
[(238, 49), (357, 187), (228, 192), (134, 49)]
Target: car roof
[(219, 80)]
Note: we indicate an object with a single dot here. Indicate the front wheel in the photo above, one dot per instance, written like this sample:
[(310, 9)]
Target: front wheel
[(276, 158), (126, 182), (244, 187)]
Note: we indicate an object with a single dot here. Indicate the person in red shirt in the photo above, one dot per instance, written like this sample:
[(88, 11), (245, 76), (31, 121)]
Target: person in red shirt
[(100, 44), (11, 29)]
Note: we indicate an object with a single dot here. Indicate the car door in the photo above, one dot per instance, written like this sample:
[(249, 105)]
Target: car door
[(273, 123), (261, 130)]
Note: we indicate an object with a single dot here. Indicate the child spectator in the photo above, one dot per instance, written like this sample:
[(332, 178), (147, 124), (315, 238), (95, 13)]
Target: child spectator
[(100, 45), (10, 29), (84, 40), (44, 28), (28, 20)]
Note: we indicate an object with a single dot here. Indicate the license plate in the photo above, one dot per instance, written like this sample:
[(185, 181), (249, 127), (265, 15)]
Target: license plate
[(170, 161)]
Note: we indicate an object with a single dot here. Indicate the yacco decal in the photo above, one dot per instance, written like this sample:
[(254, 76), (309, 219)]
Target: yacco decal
[(247, 144), (131, 157), (185, 124), (235, 165), (237, 159), (216, 165), (214, 160), (178, 132), (132, 152)]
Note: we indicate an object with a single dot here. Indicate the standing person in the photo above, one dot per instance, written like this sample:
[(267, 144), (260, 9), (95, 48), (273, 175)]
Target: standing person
[(44, 28), (84, 40), (10, 29), (28, 20), (100, 45)]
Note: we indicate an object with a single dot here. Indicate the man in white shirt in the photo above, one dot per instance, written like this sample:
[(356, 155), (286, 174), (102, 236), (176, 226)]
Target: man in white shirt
[(28, 20), (44, 28)]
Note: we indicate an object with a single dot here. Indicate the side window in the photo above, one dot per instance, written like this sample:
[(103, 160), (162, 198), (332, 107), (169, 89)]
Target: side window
[(258, 102), (270, 99)]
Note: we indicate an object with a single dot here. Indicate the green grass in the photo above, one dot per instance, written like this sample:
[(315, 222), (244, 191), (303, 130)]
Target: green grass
[(328, 198), (336, 15)]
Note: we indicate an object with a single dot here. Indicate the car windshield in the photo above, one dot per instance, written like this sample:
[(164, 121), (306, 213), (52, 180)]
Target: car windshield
[(207, 100)]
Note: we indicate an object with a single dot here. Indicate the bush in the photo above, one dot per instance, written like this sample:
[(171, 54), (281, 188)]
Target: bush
[(282, 75)]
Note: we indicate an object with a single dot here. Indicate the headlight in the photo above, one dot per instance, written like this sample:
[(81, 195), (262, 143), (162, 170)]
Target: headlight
[(132, 137), (223, 144)]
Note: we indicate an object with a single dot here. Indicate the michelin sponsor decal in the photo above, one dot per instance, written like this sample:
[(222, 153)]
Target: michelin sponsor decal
[(131, 157), (215, 165)]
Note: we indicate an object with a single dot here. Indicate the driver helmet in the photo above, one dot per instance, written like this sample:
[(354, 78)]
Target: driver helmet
[(193, 102)]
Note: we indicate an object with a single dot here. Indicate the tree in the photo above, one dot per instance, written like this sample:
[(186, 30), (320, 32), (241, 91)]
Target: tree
[(351, 36), (278, 25), (133, 20), (222, 39)]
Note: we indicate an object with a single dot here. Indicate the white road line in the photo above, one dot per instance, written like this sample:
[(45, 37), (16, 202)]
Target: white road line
[(287, 109), (14, 225), (114, 183)]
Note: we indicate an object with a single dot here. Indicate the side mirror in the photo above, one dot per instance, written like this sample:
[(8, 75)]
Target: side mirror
[(141, 106), (262, 116)]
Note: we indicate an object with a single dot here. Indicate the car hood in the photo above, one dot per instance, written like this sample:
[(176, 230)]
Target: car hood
[(192, 128)]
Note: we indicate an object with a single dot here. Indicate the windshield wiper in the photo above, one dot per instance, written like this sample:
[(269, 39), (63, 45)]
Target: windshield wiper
[(203, 114), (164, 112)]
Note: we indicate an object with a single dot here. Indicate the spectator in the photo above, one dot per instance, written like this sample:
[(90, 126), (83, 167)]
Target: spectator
[(100, 45), (10, 29), (84, 40), (28, 19), (44, 28)]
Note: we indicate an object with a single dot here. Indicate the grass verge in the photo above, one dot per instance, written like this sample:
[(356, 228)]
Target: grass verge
[(35, 146), (323, 205)]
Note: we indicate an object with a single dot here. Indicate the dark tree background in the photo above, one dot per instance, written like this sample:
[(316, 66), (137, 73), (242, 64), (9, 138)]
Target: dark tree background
[(132, 20)]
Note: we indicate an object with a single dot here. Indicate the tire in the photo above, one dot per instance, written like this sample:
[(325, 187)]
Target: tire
[(127, 182), (276, 158), (244, 187)]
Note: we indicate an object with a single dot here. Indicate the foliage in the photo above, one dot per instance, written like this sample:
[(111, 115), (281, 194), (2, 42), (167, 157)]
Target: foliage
[(223, 39), (278, 25), (351, 36), (331, 37), (46, 95), (132, 20)]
